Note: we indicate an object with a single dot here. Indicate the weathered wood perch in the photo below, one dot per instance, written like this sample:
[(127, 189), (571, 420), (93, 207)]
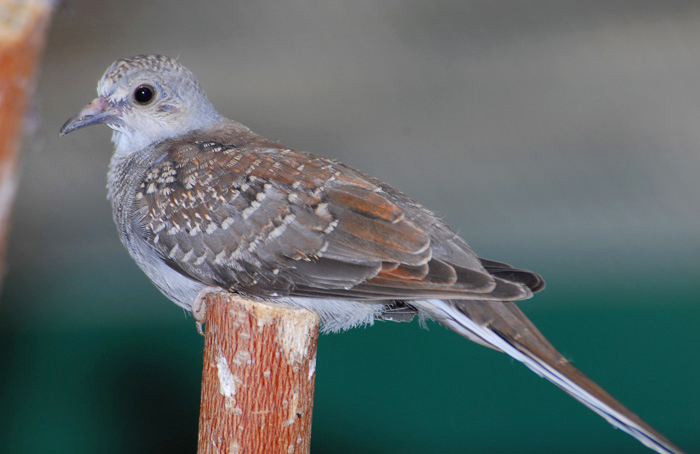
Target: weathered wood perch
[(258, 377), (23, 26)]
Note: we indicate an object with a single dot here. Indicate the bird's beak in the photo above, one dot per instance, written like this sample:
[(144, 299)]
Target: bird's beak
[(98, 111)]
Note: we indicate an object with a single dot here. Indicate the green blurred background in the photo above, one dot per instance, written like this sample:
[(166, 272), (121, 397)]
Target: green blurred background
[(560, 136)]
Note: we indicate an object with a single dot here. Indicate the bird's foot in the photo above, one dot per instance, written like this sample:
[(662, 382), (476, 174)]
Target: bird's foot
[(199, 308)]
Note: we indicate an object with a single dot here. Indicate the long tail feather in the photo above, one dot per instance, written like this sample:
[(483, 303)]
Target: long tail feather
[(501, 325)]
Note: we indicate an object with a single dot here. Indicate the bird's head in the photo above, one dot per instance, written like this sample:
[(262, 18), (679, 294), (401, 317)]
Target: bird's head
[(146, 99)]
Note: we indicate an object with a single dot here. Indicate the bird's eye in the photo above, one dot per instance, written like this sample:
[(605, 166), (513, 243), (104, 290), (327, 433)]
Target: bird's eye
[(144, 94)]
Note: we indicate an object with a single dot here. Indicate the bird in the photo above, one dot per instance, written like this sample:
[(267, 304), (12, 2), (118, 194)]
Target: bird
[(203, 203)]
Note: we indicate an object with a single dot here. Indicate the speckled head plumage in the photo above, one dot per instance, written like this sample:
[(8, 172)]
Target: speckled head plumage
[(149, 66), (145, 99), (157, 63)]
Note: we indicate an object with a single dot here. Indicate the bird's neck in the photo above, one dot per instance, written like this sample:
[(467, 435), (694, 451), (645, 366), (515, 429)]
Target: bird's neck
[(149, 130)]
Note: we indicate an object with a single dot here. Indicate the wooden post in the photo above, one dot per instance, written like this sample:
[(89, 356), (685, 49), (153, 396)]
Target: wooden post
[(23, 26), (258, 377)]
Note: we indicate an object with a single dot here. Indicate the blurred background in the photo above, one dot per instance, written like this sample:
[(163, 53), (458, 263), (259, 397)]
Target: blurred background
[(559, 136)]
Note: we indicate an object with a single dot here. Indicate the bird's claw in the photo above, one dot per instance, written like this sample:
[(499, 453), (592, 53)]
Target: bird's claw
[(199, 310)]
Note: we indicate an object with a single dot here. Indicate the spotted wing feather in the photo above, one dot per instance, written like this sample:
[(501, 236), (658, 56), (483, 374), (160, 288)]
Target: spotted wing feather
[(258, 219)]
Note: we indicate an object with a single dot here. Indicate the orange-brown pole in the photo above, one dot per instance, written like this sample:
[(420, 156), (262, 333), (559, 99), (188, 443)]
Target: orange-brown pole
[(258, 377), (23, 27)]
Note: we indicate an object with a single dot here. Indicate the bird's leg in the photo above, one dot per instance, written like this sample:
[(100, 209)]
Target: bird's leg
[(199, 307)]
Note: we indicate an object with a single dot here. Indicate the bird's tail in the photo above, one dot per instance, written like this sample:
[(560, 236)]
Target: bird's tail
[(503, 326)]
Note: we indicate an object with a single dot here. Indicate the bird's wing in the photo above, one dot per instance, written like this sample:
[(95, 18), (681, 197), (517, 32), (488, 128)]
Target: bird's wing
[(268, 221)]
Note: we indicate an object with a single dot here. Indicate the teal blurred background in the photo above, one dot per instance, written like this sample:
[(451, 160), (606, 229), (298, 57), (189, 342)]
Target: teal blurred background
[(560, 136)]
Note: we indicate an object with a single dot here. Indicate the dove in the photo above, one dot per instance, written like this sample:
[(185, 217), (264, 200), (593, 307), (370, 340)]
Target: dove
[(202, 203)]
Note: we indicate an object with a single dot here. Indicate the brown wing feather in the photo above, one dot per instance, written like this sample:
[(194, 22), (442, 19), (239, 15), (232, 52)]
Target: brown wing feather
[(297, 224)]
